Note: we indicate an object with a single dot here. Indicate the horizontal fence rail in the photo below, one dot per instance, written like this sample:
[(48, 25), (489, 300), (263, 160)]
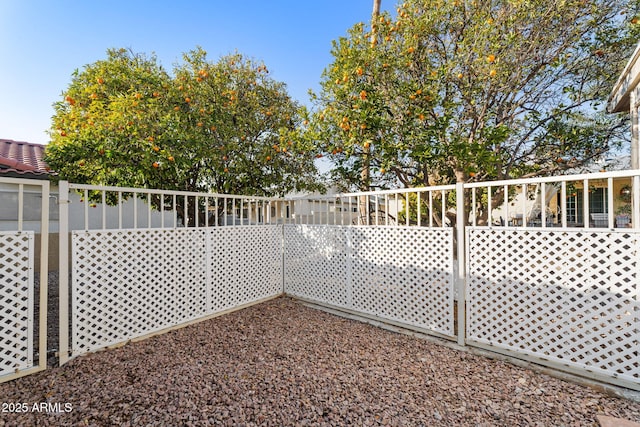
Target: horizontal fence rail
[(23, 307)]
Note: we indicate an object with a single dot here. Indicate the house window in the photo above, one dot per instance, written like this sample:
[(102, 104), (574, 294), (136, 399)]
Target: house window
[(575, 204), (598, 201)]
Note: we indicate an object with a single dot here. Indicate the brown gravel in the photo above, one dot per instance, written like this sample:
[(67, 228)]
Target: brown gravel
[(283, 363)]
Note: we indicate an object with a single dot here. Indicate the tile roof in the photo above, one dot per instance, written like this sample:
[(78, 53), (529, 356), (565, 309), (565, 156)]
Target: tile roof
[(22, 159)]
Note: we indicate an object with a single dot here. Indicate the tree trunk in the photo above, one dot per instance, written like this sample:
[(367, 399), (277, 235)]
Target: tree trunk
[(365, 173)]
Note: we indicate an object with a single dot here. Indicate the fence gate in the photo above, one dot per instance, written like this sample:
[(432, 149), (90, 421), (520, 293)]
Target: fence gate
[(403, 275), (24, 213)]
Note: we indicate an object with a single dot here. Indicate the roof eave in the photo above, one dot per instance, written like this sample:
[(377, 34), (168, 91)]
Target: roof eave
[(619, 100)]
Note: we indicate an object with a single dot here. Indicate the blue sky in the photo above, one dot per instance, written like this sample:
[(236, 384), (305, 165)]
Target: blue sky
[(42, 42)]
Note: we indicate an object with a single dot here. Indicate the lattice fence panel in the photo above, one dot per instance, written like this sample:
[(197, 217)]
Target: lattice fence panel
[(316, 259), (16, 300), (128, 283), (245, 264), (569, 297), (404, 274)]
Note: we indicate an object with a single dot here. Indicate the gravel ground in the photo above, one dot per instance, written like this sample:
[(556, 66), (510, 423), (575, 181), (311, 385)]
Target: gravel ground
[(283, 363)]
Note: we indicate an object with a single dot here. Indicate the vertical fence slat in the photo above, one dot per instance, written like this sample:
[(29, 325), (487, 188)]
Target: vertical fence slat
[(489, 208), (610, 202), (444, 207), (86, 209), (418, 208), (119, 209), (44, 276), (505, 190), (196, 211), (20, 206), (406, 209), (430, 208), (585, 203), (63, 272), (543, 205), (104, 209), (473, 206), (563, 203), (149, 208), (524, 205)]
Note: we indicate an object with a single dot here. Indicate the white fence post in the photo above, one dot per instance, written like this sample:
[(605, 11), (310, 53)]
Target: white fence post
[(44, 276), (63, 273), (460, 280)]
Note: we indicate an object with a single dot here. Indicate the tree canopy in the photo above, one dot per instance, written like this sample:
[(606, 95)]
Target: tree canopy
[(468, 90), (223, 126)]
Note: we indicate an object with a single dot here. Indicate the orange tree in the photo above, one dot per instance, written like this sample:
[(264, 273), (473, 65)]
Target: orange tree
[(450, 91), (223, 126)]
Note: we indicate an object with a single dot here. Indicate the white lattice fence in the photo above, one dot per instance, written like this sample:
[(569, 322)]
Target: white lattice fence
[(402, 274), (16, 301), (245, 265), (130, 283), (569, 299), (316, 263)]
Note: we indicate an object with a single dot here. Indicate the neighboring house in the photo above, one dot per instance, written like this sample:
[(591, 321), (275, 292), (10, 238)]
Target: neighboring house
[(20, 159), (598, 198), (328, 208)]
